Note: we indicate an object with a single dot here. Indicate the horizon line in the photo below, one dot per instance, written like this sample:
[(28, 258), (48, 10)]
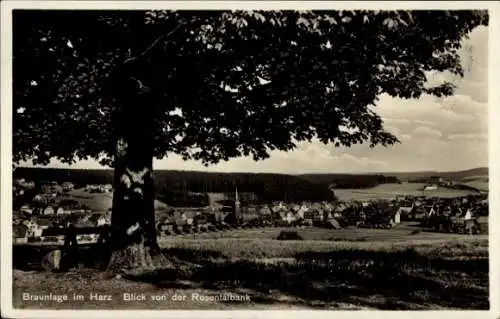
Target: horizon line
[(279, 173)]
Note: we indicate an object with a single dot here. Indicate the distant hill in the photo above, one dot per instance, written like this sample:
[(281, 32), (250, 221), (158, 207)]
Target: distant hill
[(391, 177), (449, 175), (172, 186)]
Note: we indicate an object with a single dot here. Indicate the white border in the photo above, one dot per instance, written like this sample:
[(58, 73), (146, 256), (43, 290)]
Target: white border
[(6, 151)]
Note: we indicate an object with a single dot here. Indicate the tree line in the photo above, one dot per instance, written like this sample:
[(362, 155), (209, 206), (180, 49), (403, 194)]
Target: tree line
[(176, 187)]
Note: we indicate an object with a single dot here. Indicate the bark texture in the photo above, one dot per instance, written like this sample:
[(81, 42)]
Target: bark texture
[(133, 236)]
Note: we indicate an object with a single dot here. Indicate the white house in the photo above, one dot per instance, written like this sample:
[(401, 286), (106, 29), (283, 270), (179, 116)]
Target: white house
[(102, 220), (396, 217), (290, 217), (432, 187), (26, 209), (49, 210), (468, 215)]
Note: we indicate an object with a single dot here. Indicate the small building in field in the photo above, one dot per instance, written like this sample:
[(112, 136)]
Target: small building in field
[(431, 187)]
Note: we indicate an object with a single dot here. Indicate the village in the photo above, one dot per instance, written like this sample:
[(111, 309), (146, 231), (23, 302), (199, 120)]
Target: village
[(43, 217)]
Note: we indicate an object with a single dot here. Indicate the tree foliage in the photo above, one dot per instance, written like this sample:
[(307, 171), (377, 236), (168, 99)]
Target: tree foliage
[(224, 83)]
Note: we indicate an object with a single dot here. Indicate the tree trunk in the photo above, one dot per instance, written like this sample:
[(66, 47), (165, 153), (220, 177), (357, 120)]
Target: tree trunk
[(133, 240)]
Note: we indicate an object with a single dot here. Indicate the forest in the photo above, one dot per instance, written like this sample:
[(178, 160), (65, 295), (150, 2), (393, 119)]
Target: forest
[(172, 186)]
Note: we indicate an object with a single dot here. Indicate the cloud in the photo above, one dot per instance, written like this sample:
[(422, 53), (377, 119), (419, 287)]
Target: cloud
[(470, 137), (426, 132)]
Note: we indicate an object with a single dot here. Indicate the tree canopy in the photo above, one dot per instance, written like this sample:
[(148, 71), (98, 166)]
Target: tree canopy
[(224, 83)]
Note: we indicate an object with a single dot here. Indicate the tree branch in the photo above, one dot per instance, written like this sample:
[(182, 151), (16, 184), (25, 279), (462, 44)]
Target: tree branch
[(158, 39)]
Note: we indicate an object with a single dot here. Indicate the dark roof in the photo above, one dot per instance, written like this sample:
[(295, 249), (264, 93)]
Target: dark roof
[(19, 230), (43, 221)]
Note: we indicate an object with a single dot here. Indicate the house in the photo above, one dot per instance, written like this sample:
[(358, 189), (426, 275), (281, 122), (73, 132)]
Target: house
[(329, 207), (468, 215), (38, 198), (419, 213), (406, 210), (430, 211), (264, 210), (103, 220), (67, 186), (396, 217), (26, 209), (202, 218), (108, 188), (19, 181), (18, 191), (19, 233), (60, 211), (49, 210), (337, 214), (325, 215), (289, 217), (52, 235), (51, 188), (162, 227), (36, 227), (432, 187), (181, 220), (32, 227), (310, 215), (28, 185)]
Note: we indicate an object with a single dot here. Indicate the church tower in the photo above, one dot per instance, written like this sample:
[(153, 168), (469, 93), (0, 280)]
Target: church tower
[(237, 207)]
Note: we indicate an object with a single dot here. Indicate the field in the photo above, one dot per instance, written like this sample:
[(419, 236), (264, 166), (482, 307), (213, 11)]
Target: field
[(99, 202), (329, 269), (480, 182), (389, 191)]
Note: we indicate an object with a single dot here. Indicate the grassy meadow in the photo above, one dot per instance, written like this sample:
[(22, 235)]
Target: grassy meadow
[(329, 269), (389, 191)]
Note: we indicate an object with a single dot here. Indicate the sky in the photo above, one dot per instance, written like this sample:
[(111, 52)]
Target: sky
[(441, 134)]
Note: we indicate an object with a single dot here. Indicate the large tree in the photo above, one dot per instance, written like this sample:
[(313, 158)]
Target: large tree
[(124, 87)]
